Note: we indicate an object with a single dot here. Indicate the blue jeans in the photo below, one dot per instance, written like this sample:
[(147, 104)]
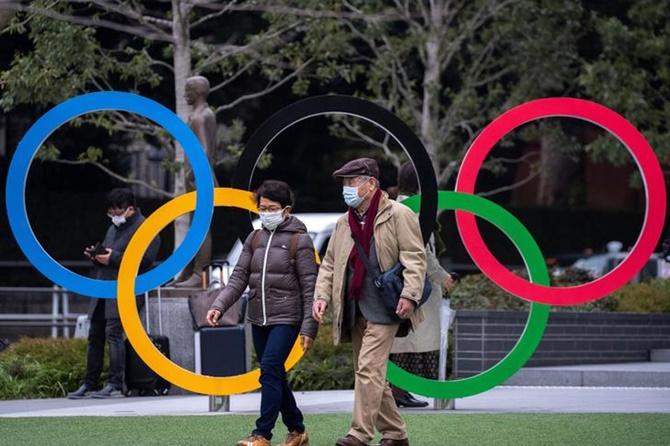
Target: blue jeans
[(273, 344)]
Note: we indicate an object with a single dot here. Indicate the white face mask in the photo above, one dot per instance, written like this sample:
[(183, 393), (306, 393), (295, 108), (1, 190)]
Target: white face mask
[(118, 220), (270, 220)]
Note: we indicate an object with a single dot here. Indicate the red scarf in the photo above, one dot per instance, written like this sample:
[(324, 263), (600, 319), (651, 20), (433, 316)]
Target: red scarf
[(363, 234)]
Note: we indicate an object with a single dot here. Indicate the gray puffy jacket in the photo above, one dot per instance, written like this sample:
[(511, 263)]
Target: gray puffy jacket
[(281, 289)]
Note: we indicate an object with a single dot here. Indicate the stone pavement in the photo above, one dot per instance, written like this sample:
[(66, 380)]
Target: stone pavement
[(498, 400)]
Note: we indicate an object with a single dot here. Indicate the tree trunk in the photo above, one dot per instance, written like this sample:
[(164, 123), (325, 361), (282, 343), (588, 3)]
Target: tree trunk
[(431, 81), (182, 70), (556, 167)]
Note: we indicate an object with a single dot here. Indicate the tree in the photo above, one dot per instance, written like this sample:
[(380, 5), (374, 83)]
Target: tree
[(629, 70), (448, 67), (82, 46)]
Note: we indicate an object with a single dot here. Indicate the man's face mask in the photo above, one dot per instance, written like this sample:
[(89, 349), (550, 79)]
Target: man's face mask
[(118, 220), (350, 194)]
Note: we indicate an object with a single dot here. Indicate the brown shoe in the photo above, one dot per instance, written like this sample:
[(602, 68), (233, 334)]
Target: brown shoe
[(350, 440), (390, 442), (254, 440), (296, 438)]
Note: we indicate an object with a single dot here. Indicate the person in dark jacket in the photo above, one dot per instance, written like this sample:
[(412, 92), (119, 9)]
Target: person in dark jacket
[(103, 314), (278, 264)]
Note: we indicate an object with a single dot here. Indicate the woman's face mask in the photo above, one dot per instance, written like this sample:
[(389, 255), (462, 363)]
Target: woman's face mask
[(270, 220)]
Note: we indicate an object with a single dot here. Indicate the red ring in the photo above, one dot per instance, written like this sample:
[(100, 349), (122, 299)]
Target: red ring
[(652, 176)]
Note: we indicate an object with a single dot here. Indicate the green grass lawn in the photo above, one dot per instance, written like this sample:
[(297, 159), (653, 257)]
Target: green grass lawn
[(424, 429)]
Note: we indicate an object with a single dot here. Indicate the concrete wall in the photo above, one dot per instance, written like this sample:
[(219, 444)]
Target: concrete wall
[(178, 327), (482, 338)]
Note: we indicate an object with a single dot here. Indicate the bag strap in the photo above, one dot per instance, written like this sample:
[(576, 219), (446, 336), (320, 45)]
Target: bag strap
[(254, 240), (362, 255), (293, 246)]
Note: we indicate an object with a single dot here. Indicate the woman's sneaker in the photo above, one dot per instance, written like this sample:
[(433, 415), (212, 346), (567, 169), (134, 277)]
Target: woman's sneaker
[(254, 440), (296, 438)]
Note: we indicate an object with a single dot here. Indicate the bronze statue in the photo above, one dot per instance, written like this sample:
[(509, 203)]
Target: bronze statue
[(203, 123)]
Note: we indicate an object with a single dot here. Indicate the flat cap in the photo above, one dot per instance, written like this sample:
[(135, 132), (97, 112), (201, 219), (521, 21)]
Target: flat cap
[(359, 167)]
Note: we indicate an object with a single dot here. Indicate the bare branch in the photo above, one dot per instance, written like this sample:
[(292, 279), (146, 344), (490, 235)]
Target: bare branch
[(222, 52), (232, 78), (302, 12), (360, 135), (129, 12), (92, 21), (225, 9), (268, 89), (115, 175), (512, 186)]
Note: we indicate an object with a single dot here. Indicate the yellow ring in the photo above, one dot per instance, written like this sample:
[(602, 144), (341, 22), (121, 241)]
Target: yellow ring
[(130, 318)]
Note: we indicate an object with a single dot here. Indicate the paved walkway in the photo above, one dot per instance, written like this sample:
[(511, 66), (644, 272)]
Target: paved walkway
[(498, 400)]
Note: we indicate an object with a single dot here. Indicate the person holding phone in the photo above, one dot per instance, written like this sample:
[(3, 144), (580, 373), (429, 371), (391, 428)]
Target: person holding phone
[(103, 314), (278, 264)]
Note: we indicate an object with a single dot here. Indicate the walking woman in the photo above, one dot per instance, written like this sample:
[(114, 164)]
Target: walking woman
[(279, 266), (418, 352)]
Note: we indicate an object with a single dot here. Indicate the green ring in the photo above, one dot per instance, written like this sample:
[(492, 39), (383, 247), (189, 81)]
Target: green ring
[(537, 319)]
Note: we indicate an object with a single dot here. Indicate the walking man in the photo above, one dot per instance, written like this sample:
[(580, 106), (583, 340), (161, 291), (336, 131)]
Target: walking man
[(388, 232)]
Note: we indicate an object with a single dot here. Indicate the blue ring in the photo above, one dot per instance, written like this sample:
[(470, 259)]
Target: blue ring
[(40, 131)]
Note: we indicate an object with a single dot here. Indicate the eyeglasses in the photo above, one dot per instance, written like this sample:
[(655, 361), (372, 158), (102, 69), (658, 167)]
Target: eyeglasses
[(269, 209), (116, 212)]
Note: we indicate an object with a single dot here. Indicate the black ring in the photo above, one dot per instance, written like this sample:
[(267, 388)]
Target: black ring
[(347, 105)]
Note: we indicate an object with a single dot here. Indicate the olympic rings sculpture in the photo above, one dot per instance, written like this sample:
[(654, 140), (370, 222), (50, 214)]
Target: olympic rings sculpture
[(467, 206)]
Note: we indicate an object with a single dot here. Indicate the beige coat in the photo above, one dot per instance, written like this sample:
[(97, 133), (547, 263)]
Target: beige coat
[(397, 238)]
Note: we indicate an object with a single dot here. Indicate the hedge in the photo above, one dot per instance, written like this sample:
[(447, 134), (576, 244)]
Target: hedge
[(50, 368)]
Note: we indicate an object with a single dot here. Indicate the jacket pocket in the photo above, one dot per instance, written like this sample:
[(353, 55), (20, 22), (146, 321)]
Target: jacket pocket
[(254, 308), (281, 304)]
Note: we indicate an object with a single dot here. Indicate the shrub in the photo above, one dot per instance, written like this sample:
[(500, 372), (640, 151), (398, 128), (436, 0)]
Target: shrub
[(325, 366), (43, 368), (647, 297), (476, 291)]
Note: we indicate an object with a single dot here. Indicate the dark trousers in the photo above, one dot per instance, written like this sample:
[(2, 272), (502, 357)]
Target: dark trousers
[(273, 344), (100, 330)]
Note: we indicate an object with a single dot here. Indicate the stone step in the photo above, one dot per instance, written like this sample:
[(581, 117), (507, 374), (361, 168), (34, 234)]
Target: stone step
[(660, 355), (633, 374)]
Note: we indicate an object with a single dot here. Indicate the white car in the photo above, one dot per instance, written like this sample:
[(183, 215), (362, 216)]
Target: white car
[(600, 264)]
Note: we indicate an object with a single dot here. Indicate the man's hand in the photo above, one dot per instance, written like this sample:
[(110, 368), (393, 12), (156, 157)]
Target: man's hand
[(306, 342), (318, 309), (87, 252), (103, 259), (213, 317), (405, 308)]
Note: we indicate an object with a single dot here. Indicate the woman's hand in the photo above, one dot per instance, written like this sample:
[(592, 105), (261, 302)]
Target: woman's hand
[(212, 317), (306, 342), (448, 283)]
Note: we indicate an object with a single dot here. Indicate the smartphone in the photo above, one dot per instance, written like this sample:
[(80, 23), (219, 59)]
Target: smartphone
[(98, 249)]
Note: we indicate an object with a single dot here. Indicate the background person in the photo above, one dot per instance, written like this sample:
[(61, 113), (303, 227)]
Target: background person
[(281, 291), (418, 352), (103, 314)]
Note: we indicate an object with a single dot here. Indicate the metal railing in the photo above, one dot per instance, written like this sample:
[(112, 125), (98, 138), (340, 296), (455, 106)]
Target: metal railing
[(58, 318)]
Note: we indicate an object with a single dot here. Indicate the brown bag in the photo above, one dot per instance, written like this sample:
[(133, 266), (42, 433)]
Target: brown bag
[(200, 304)]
